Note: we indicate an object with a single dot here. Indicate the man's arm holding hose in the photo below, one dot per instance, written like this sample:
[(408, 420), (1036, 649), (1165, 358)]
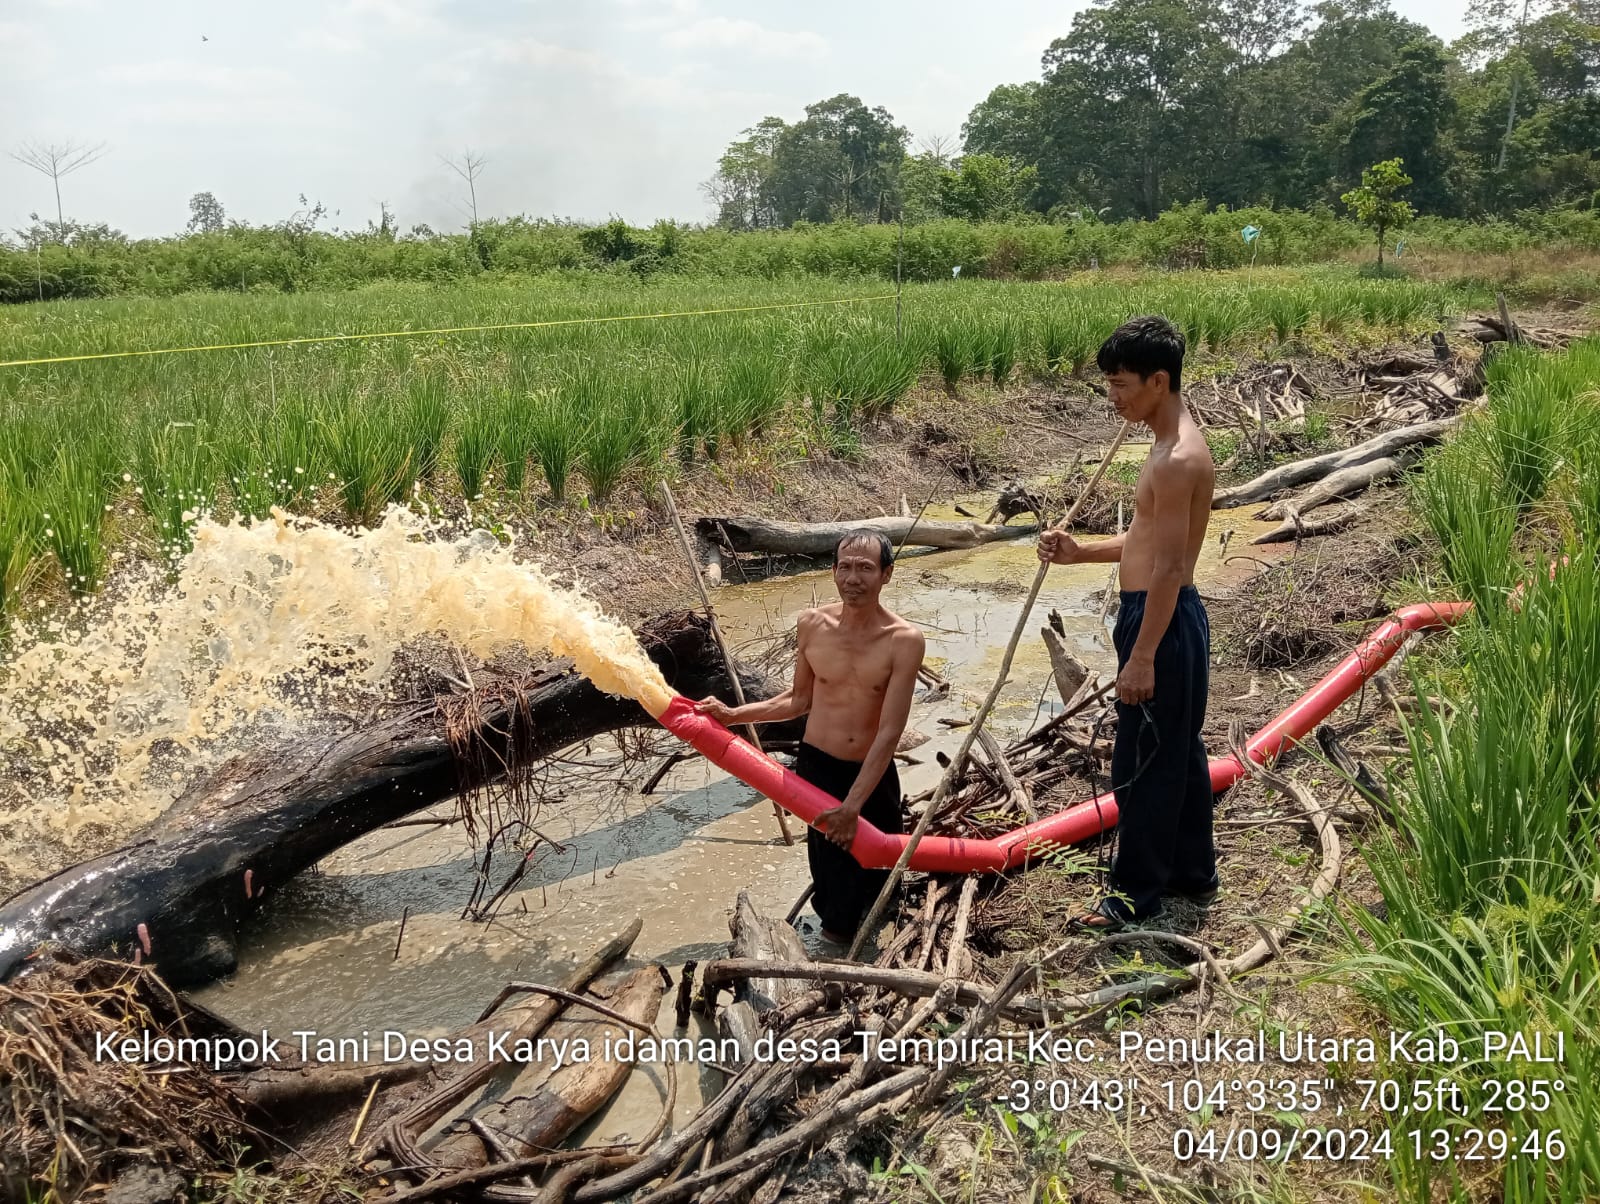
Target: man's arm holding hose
[(791, 704), (839, 823)]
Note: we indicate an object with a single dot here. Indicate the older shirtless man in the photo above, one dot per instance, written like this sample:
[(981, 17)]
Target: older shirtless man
[(1163, 639), (854, 672)]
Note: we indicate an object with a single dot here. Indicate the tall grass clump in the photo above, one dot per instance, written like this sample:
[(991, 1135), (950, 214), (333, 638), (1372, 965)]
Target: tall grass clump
[(555, 432), (1491, 874), (1529, 409), (694, 405), (477, 443), (516, 439), (291, 451), (369, 458), (610, 437), (1000, 351), (427, 420), (71, 523), (19, 541), (889, 371), (1475, 523), (954, 350), (754, 388), (176, 471)]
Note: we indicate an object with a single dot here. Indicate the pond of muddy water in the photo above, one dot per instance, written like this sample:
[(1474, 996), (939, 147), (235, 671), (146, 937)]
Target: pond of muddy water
[(324, 956)]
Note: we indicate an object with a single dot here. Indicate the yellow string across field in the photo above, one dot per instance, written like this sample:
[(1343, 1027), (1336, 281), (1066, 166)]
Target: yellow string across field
[(402, 334)]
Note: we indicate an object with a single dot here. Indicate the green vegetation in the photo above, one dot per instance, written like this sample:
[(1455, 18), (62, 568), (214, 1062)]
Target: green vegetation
[(1491, 877), (1376, 204), (529, 254), (1265, 103), (343, 429)]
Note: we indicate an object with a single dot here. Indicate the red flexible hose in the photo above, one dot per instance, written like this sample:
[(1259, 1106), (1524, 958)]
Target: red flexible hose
[(880, 850)]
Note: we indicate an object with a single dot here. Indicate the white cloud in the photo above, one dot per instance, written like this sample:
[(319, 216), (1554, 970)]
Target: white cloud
[(330, 41), (401, 16), (736, 33), (166, 73)]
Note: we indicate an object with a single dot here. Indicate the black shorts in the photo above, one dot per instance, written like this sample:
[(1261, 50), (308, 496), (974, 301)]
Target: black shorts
[(844, 889)]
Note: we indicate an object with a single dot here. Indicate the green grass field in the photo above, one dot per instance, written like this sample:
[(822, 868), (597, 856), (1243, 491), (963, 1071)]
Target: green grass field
[(545, 415)]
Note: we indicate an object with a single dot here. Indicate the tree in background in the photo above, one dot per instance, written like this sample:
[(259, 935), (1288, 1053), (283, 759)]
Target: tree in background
[(469, 166), (741, 189), (1009, 122), (57, 159), (1132, 99), (1375, 204), (842, 161), (1405, 115), (986, 188), (206, 215)]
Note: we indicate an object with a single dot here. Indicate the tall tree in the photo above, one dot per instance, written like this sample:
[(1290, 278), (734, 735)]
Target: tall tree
[(1406, 115), (1130, 97), (1008, 122), (741, 189), (1289, 146), (469, 166), (206, 215), (840, 162), (57, 159)]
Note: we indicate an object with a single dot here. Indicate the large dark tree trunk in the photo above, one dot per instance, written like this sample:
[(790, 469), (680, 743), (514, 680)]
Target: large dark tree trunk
[(177, 893)]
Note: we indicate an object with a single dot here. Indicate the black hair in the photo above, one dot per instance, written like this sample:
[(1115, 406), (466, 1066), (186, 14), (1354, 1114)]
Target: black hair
[(885, 548), (1145, 346)]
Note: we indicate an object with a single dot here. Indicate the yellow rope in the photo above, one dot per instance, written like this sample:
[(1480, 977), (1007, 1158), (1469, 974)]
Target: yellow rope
[(401, 334)]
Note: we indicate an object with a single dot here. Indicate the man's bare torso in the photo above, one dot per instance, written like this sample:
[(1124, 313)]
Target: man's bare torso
[(1189, 456), (851, 667)]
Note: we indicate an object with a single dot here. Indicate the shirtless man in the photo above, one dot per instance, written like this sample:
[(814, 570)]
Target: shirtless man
[(854, 672), (1162, 637)]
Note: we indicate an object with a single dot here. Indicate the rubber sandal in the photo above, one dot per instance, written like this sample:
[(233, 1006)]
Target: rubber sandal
[(1097, 921)]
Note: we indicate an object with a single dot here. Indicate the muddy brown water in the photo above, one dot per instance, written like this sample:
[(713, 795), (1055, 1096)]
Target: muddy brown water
[(323, 957)]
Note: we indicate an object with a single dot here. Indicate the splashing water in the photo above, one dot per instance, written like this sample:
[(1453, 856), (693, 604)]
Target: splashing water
[(266, 626)]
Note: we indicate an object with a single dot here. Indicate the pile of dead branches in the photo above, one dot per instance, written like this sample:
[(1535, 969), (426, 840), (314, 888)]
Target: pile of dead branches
[(70, 1117), (1491, 328)]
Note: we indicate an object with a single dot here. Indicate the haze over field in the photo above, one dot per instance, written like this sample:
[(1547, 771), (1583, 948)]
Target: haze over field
[(583, 110)]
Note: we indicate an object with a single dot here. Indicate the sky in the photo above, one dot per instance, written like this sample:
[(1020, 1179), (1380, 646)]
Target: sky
[(580, 108)]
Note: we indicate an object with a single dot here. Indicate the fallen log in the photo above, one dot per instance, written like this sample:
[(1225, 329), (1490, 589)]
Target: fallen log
[(764, 938), (750, 534), (1069, 672), (1293, 528), (402, 1118), (1336, 485), (180, 889), (1286, 476), (550, 1103)]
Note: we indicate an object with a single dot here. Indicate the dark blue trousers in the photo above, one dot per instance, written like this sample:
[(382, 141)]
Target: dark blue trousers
[(1158, 765)]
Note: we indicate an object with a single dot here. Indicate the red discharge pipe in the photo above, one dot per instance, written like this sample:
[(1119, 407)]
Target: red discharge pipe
[(876, 849)]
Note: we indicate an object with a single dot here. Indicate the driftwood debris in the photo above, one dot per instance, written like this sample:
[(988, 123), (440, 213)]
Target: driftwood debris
[(1069, 672), (1287, 476), (1293, 529), (1335, 485), (548, 1103), (748, 533), (185, 884), (1493, 328)]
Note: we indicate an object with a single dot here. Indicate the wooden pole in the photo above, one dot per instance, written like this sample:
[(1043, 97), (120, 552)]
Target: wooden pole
[(953, 773), (716, 634)]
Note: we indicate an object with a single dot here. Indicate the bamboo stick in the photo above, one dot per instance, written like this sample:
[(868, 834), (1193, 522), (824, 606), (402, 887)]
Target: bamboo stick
[(716, 634), (953, 773)]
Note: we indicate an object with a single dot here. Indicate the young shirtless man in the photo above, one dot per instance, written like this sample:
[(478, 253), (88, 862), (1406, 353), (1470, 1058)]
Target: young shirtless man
[(1162, 637), (854, 672)]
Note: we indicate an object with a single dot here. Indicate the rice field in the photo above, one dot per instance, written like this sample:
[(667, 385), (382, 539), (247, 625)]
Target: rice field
[(98, 451), (1491, 875)]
